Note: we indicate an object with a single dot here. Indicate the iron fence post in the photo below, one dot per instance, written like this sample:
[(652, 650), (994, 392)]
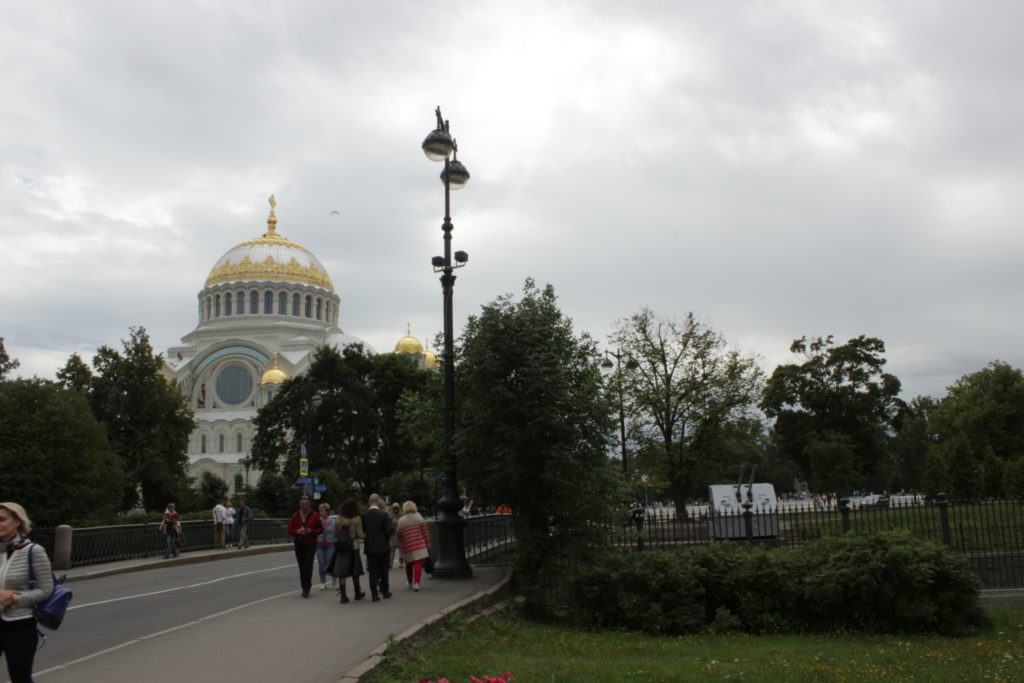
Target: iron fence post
[(748, 521), (844, 512), (943, 501)]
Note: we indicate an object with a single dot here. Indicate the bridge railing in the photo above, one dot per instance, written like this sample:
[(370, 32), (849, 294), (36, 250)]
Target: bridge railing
[(99, 544)]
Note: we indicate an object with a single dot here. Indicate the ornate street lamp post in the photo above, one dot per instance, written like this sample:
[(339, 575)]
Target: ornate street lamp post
[(606, 367), (451, 564)]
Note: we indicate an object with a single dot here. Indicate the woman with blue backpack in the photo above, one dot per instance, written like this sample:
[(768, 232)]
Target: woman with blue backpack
[(19, 635)]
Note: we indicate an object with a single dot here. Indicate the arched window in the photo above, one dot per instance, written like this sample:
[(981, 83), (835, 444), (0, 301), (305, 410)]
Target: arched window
[(216, 306), (238, 483), (209, 308), (241, 303), (254, 302), (220, 443), (268, 302), (227, 303), (319, 309), (282, 303), (202, 443), (309, 306), (295, 304), (238, 442)]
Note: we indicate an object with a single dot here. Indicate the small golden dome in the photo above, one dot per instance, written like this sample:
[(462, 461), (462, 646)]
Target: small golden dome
[(429, 359), (408, 343), (274, 374)]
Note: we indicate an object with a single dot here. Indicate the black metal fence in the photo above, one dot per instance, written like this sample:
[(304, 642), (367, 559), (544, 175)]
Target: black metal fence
[(489, 540), (989, 532), (95, 545)]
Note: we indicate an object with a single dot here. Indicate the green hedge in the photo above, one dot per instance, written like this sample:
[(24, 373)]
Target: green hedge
[(876, 582)]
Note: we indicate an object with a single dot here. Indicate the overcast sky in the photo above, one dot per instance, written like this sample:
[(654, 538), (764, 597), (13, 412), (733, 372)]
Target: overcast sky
[(778, 168)]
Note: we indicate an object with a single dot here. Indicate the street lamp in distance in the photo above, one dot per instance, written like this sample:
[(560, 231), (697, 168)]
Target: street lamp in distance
[(606, 368)]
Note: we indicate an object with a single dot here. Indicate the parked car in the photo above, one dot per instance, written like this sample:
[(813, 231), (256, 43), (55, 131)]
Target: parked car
[(874, 501)]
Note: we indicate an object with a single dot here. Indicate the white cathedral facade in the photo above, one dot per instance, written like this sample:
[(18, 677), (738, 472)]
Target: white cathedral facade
[(266, 306)]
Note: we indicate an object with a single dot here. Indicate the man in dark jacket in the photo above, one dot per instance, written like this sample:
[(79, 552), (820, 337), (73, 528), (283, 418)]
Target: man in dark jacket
[(244, 518), (378, 528)]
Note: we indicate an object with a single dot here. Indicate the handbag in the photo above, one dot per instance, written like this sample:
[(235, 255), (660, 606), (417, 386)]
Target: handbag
[(428, 564), (50, 612)]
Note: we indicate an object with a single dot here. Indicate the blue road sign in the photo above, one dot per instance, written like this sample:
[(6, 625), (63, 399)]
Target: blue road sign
[(304, 480), (320, 488)]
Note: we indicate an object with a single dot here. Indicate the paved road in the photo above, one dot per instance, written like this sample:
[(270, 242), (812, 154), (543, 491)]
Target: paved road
[(239, 618)]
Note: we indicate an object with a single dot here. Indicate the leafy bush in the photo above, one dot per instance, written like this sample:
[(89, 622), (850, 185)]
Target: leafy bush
[(888, 581), (659, 594), (880, 582)]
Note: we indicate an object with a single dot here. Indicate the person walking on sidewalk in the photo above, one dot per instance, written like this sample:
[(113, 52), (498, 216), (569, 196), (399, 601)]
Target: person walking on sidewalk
[(325, 545), (378, 529), (229, 525), (304, 526), (171, 526), (19, 635), (415, 542), (219, 513), (396, 514), (244, 518), (348, 530)]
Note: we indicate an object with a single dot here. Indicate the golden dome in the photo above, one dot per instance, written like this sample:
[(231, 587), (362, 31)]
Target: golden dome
[(270, 257), (429, 359), (408, 343), (274, 374)]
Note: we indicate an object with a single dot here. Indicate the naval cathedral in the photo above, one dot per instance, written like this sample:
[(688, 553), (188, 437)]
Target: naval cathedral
[(268, 304)]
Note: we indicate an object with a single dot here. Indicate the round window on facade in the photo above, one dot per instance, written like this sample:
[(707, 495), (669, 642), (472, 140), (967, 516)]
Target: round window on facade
[(234, 384)]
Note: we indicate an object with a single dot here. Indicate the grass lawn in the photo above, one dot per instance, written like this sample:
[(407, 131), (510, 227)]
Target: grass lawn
[(533, 651)]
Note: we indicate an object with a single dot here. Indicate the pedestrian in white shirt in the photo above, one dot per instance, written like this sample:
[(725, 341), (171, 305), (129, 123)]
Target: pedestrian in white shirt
[(219, 514), (229, 525)]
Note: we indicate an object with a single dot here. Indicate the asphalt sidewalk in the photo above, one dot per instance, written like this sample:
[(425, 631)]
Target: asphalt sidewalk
[(403, 619)]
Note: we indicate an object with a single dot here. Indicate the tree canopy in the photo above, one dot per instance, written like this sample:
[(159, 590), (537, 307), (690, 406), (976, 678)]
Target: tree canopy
[(689, 400), (147, 419), (979, 429), (7, 364), (835, 412), (354, 432), (54, 455), (534, 424)]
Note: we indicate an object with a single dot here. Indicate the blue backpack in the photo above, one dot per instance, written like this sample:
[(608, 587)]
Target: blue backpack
[(50, 612)]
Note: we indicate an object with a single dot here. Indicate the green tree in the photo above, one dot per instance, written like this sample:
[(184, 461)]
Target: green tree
[(274, 495), (421, 421), (979, 431), (910, 444), (835, 412), (354, 432), (75, 375), (689, 400), (147, 419), (212, 489), (7, 364), (534, 426), (54, 455)]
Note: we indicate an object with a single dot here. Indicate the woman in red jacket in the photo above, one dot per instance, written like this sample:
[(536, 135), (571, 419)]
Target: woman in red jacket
[(414, 542), (304, 527)]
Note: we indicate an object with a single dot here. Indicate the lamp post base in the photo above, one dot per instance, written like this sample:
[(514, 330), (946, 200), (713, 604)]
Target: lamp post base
[(451, 563)]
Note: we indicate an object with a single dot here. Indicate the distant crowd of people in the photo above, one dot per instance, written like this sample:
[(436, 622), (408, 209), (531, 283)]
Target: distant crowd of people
[(335, 540)]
